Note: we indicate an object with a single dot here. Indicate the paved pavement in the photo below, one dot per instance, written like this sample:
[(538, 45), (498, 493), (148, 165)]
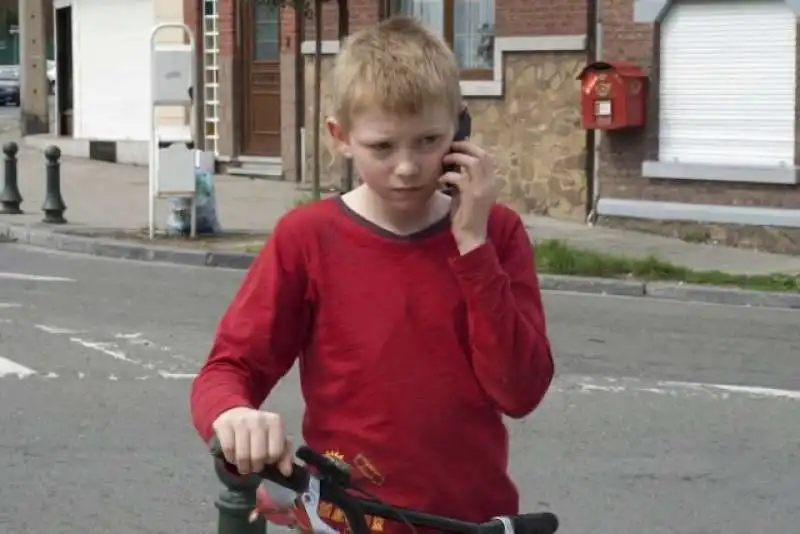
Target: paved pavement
[(8, 116), (97, 437)]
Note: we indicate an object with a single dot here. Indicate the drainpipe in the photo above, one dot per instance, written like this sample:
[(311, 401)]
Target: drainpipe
[(344, 30), (300, 94), (595, 11), (315, 187)]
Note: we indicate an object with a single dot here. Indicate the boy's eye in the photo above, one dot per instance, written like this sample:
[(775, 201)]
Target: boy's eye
[(381, 147), (430, 140)]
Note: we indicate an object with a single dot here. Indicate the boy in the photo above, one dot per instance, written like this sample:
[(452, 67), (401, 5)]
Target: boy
[(416, 317)]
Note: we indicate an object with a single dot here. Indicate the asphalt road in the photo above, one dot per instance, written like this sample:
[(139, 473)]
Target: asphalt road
[(96, 357)]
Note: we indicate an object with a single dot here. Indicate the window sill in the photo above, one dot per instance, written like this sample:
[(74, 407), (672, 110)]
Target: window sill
[(471, 75), (721, 173)]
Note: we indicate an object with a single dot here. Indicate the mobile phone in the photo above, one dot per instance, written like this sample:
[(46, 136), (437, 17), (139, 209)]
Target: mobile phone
[(463, 132)]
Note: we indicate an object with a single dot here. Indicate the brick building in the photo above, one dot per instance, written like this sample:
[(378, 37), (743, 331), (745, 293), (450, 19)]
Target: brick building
[(716, 159)]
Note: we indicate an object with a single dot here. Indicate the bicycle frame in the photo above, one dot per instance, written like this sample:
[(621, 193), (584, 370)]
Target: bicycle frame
[(330, 482)]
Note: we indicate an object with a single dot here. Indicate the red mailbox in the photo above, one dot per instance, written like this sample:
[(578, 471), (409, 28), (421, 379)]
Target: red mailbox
[(613, 95)]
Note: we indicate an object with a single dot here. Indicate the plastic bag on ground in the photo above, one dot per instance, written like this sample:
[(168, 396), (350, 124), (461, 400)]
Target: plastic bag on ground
[(179, 220)]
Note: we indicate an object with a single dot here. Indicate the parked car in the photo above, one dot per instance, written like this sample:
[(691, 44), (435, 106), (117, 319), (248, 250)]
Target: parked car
[(9, 85), (51, 75)]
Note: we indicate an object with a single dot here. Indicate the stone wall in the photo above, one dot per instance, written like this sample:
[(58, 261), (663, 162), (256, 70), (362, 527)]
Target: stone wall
[(534, 131)]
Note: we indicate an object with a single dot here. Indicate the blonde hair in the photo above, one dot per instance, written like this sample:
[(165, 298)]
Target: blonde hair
[(398, 66)]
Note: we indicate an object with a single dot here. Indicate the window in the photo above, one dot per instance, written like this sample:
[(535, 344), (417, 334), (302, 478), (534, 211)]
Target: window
[(266, 39), (467, 25)]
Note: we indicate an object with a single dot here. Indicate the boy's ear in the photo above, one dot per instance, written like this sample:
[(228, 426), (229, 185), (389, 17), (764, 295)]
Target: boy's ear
[(338, 134)]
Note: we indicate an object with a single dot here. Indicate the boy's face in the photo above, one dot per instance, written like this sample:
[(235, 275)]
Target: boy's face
[(398, 157)]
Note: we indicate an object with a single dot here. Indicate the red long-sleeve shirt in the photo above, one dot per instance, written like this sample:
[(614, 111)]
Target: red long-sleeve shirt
[(409, 352)]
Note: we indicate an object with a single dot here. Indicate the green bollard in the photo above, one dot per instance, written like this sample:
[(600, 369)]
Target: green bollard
[(53, 206), (235, 504), (10, 199)]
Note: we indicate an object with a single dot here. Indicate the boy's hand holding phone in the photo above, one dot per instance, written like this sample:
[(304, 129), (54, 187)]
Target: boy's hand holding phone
[(477, 191), (463, 133), (252, 439), (468, 176)]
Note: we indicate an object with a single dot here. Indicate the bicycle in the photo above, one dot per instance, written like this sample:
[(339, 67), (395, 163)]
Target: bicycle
[(324, 479)]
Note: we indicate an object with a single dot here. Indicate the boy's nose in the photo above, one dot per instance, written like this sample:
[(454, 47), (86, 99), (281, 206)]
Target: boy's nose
[(407, 167)]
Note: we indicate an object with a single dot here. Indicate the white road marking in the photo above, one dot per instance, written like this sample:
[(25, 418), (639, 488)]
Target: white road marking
[(7, 305), (753, 391), (565, 384), (5, 321), (177, 376), (586, 384), (135, 339), (135, 335), (110, 349), (34, 277), (12, 368), (113, 350), (81, 376), (55, 329)]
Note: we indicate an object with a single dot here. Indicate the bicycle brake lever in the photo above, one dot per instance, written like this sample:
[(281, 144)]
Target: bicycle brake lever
[(309, 502), (299, 511), (288, 501)]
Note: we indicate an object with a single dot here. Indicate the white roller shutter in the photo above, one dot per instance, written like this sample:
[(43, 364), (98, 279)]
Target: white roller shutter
[(727, 83)]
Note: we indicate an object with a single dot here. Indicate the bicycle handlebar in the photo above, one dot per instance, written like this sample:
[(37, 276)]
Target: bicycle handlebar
[(330, 481)]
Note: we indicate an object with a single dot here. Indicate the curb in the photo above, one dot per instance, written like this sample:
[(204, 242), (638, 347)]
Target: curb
[(108, 248)]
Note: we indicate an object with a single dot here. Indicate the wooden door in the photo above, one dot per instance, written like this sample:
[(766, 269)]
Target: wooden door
[(262, 79)]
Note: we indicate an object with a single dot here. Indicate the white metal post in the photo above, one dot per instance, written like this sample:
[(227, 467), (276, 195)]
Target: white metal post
[(153, 153)]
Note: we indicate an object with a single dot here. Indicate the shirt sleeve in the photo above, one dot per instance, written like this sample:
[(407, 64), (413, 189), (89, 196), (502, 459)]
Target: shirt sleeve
[(259, 336), (511, 354)]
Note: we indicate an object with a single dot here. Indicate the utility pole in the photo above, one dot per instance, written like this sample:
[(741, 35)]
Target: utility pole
[(35, 104)]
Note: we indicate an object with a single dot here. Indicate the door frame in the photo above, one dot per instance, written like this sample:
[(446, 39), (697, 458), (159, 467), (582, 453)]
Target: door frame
[(57, 97), (240, 72), (236, 95)]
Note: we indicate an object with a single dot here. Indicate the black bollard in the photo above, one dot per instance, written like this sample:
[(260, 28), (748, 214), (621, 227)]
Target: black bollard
[(236, 503), (53, 206), (10, 199)]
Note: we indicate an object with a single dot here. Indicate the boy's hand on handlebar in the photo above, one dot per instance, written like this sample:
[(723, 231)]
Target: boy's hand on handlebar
[(252, 439)]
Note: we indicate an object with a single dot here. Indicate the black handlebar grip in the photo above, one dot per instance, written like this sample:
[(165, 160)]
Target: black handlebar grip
[(297, 481), (540, 523)]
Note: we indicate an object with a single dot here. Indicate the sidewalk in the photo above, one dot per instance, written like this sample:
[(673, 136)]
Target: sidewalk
[(108, 195), (695, 256), (103, 197)]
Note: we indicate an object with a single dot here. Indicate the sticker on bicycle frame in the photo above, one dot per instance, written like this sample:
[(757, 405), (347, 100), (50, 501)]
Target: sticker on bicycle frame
[(368, 471)]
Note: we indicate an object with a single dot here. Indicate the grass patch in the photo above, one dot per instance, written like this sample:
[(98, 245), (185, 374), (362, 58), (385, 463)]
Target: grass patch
[(306, 197), (554, 256)]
